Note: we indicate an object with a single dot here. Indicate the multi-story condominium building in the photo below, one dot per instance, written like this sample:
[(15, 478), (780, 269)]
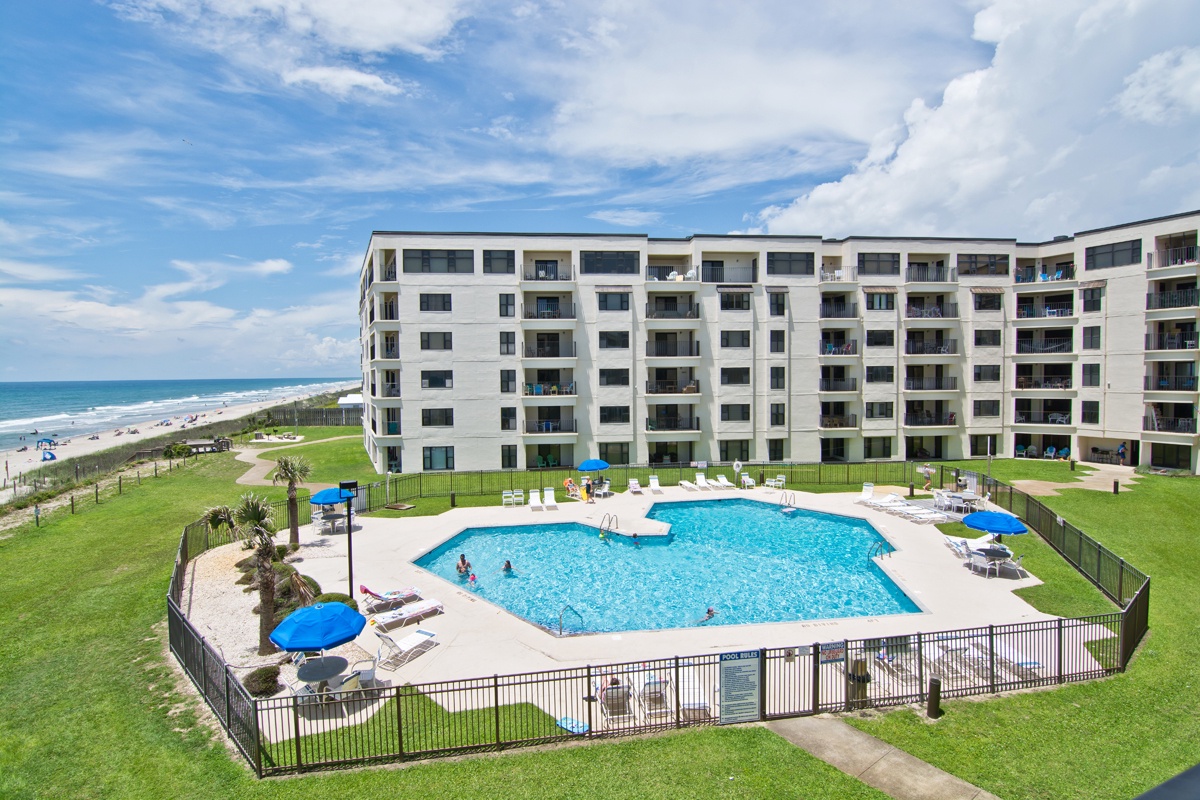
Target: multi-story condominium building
[(498, 350)]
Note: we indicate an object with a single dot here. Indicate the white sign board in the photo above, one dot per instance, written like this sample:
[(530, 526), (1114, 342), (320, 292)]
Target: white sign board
[(741, 683)]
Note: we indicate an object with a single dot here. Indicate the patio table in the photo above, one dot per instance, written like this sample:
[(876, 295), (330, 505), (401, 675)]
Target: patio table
[(317, 670)]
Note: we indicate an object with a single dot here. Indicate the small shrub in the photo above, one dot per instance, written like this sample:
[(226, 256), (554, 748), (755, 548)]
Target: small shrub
[(262, 682), (176, 451), (313, 585), (246, 579), (282, 571), (337, 597), (281, 551), (246, 564)]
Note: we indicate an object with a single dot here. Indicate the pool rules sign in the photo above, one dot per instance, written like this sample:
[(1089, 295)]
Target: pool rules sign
[(741, 687)]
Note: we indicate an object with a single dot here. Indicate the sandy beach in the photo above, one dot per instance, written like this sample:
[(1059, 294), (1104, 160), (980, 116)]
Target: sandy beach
[(81, 445)]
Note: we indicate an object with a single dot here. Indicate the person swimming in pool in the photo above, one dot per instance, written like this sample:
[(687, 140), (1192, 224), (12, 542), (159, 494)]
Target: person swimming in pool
[(507, 569), (463, 566), (712, 612)]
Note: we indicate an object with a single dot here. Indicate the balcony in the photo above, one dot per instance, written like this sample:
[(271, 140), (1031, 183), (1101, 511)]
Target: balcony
[(673, 424), (1180, 298), (680, 312), (550, 351), (928, 419), (931, 384), (551, 426), (929, 274), (849, 348), (1048, 382), (848, 385), (729, 274), (1042, 418), (1049, 275), (389, 390), (832, 274), (388, 312), (944, 311), (1176, 256), (839, 311), (672, 349), (390, 352), (551, 389), (946, 347), (1039, 346), (388, 273), (559, 274), (655, 272), (838, 421), (1185, 383), (540, 312), (393, 428), (1031, 311), (1169, 424), (672, 387), (1171, 341)]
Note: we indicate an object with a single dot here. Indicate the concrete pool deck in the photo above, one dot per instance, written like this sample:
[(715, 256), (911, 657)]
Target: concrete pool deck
[(476, 638)]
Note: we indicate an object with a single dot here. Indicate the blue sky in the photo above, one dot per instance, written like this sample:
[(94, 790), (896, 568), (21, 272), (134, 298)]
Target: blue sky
[(187, 186)]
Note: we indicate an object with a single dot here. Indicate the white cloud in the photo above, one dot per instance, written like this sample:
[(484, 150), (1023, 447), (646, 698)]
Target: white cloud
[(34, 273), (628, 217), (341, 82), (1164, 89)]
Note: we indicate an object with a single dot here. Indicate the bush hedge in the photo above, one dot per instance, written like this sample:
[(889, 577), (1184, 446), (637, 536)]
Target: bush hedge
[(262, 682), (337, 597)]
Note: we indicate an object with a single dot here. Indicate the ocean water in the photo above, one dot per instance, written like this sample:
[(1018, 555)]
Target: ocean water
[(62, 409)]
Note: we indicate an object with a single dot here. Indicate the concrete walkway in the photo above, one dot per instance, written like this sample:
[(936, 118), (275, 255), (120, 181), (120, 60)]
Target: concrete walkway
[(874, 762), (1099, 480), (261, 467)]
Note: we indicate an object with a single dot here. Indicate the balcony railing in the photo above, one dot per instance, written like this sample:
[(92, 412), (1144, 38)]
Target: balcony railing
[(1043, 417), (671, 273), (833, 274), (946, 347), (1171, 341), (389, 273), (1178, 383), (838, 421), (550, 426), (390, 352), (672, 387), (839, 310), (560, 274), (945, 310), (393, 428), (680, 312), (552, 389), (849, 348), (924, 419), (848, 385), (1177, 256), (1179, 298), (673, 424), (388, 312), (1169, 424), (1035, 346), (672, 349), (550, 351), (1046, 382), (729, 274), (929, 274), (1046, 275), (931, 384), (1031, 311), (389, 390), (541, 312)]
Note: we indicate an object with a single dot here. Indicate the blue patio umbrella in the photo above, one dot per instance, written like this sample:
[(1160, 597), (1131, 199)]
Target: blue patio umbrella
[(318, 627), (995, 522), (330, 497), (593, 465)]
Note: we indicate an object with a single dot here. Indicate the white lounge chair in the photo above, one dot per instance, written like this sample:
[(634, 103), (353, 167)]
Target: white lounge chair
[(382, 601), (868, 493), (694, 701), (657, 697), (393, 654), (603, 490), (654, 487), (702, 482), (925, 515), (412, 612), (548, 498), (304, 692), (506, 498), (618, 704), (747, 481), (535, 500), (691, 487), (634, 486), (724, 483), (886, 501)]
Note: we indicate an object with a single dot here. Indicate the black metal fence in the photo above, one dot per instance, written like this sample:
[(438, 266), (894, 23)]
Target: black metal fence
[(291, 734)]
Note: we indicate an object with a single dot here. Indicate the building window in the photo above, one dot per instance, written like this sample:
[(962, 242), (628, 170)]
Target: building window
[(778, 377), (777, 341), (735, 412), (881, 374), (508, 305), (1091, 374), (1113, 255), (879, 301), (735, 338), (878, 263), (735, 376), (735, 301), (438, 457), (790, 263), (435, 302), (614, 377), (987, 408), (1092, 298), (1091, 412), (437, 417), (1091, 338), (614, 452), (508, 418), (508, 343), (1171, 456), (982, 264), (508, 456), (877, 447), (735, 449), (881, 338), (602, 263), (502, 262), (833, 450), (613, 301), (437, 379), (984, 445), (611, 415), (987, 373), (439, 261), (775, 449), (879, 410), (437, 341), (778, 303), (989, 302), (987, 338), (508, 380), (778, 413), (614, 340)]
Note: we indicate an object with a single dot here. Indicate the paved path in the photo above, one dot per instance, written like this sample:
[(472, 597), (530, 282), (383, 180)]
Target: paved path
[(261, 467), (874, 762), (1100, 480)]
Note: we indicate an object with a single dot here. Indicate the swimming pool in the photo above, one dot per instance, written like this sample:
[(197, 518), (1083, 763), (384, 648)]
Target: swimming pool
[(748, 560)]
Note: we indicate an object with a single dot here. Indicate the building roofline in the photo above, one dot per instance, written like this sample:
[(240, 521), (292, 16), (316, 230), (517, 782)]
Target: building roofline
[(1167, 218), (919, 239)]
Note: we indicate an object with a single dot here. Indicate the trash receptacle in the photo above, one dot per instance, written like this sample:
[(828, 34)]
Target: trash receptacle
[(858, 678)]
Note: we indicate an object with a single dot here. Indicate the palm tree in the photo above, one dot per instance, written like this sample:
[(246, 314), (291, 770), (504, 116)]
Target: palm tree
[(218, 517), (254, 522), (293, 470)]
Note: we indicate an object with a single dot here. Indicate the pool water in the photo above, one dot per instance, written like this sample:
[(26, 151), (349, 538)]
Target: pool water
[(750, 561)]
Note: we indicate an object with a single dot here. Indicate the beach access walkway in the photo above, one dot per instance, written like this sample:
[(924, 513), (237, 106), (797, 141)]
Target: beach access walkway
[(261, 467)]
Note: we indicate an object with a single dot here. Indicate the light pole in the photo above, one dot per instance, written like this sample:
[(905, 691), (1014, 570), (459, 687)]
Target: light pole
[(352, 488)]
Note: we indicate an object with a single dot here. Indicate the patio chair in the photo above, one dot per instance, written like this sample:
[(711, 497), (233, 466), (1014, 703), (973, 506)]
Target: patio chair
[(602, 490), (412, 612), (304, 693), (868, 493), (771, 483), (634, 486), (618, 704), (340, 690), (724, 483), (551, 461), (548, 498), (654, 487), (392, 654), (1031, 451), (376, 602), (365, 669), (541, 462), (506, 498), (702, 482), (1016, 566), (1065, 453), (747, 481), (694, 701), (1050, 451), (691, 487), (1020, 452), (535, 501), (518, 497), (981, 562), (780, 481), (657, 697)]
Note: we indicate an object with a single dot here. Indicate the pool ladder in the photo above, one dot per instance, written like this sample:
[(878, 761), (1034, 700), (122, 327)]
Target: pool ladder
[(879, 549), (562, 614), (609, 523), (787, 499)]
